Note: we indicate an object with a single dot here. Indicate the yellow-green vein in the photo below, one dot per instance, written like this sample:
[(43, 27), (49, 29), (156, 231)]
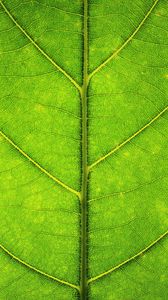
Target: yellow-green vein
[(129, 139), (126, 42), (39, 48), (38, 166), (129, 259), (37, 270)]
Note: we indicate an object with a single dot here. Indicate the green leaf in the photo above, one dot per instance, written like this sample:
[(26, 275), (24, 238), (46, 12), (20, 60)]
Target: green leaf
[(83, 204)]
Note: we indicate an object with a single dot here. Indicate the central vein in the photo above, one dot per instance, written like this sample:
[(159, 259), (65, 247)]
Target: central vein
[(83, 279)]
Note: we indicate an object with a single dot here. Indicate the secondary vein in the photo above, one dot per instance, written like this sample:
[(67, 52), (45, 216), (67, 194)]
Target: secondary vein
[(129, 259), (129, 139), (39, 48), (126, 42), (43, 170), (37, 270)]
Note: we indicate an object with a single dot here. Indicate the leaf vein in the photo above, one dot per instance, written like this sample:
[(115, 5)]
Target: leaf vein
[(129, 139), (39, 48), (43, 170), (151, 245), (37, 270), (126, 42)]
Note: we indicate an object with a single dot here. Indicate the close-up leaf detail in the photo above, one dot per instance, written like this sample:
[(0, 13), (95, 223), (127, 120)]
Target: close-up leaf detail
[(83, 149)]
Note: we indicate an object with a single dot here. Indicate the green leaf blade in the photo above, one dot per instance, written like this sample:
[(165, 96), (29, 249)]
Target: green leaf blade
[(83, 203)]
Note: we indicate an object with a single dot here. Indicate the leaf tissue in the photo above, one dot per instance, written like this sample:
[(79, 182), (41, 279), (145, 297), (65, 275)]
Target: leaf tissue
[(83, 149)]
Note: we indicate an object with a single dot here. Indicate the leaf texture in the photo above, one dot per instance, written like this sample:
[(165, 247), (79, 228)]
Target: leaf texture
[(83, 143)]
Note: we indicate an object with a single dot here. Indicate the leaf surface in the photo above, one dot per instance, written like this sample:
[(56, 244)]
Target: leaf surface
[(83, 109)]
